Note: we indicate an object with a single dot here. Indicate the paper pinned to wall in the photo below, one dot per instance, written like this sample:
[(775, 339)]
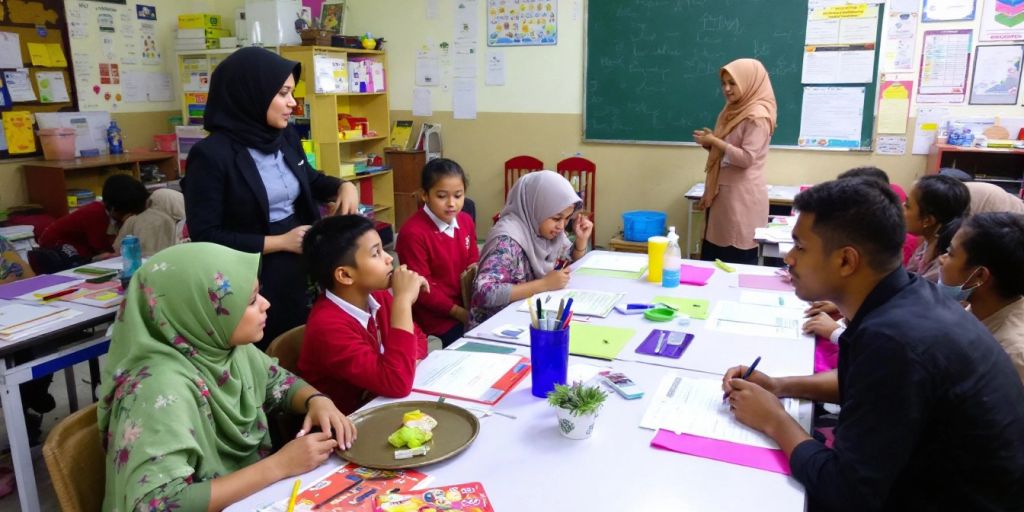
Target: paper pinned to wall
[(10, 50), (421, 104), (464, 98), (891, 145), (19, 86), (465, 61), (133, 86), (433, 9), (495, 73), (52, 87), (832, 117), (894, 105), (926, 128), (428, 68)]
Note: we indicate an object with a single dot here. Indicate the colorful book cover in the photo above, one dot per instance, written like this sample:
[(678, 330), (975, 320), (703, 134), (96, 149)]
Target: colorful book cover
[(353, 488), (18, 129), (468, 497)]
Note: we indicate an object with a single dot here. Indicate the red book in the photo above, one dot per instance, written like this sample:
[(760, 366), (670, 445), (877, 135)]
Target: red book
[(353, 488), (466, 497)]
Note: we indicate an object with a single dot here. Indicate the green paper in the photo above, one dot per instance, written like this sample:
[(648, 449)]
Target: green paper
[(695, 308), (617, 274), (472, 346), (598, 340)]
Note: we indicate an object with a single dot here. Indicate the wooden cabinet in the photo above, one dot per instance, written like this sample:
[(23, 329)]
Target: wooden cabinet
[(408, 167), (1002, 167), (49, 180)]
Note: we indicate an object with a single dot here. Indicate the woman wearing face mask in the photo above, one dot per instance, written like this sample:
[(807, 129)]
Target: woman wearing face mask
[(249, 186), (983, 268), (735, 198)]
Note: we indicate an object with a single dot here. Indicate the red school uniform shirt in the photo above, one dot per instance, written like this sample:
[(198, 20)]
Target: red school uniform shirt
[(439, 258), (85, 229), (350, 361)]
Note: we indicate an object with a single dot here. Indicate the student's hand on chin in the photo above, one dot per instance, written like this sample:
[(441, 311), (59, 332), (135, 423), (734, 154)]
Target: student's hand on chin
[(407, 284), (753, 405)]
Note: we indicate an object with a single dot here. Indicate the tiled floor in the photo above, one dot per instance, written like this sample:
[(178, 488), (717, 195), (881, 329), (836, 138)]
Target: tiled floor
[(47, 498)]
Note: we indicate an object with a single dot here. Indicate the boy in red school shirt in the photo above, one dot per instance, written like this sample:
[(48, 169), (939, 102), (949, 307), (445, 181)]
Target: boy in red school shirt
[(360, 340), (439, 242), (88, 232)]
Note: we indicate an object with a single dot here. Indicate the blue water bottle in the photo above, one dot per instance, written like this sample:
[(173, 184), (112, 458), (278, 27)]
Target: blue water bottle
[(131, 258), (114, 140)]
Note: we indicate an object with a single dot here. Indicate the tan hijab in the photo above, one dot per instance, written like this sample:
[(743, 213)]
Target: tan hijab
[(756, 99)]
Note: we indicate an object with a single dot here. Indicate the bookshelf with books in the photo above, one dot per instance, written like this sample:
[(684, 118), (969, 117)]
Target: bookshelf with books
[(347, 127)]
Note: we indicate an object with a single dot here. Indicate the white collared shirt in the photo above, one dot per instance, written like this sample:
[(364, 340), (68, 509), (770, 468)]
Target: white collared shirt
[(360, 315), (442, 226)]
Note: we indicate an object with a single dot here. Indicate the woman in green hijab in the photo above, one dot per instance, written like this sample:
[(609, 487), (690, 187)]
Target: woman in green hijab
[(185, 394)]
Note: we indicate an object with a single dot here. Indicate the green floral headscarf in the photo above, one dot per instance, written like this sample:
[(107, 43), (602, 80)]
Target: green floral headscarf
[(181, 406)]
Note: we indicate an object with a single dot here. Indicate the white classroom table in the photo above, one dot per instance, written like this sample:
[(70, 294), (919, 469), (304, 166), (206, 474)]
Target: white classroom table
[(526, 464), (711, 351), (778, 195)]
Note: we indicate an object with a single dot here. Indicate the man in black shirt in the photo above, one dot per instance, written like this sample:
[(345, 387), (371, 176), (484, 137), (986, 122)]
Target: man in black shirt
[(932, 409)]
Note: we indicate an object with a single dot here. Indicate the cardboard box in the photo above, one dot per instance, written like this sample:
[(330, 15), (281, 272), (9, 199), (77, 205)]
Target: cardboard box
[(203, 33), (229, 42), (199, 20)]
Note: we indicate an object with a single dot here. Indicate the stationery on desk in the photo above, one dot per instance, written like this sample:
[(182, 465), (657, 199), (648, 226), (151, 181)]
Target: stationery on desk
[(475, 376), (761, 282), (585, 302), (692, 419), (756, 320), (616, 262), (694, 275), (26, 289), (695, 308), (600, 341), (21, 321), (350, 488), (781, 300)]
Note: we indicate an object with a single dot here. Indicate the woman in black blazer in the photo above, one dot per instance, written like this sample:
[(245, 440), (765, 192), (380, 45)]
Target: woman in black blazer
[(249, 186)]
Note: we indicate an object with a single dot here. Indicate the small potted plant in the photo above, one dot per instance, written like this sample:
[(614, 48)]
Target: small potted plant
[(576, 406)]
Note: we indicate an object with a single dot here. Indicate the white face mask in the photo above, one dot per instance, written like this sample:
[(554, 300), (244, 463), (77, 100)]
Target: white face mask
[(958, 292)]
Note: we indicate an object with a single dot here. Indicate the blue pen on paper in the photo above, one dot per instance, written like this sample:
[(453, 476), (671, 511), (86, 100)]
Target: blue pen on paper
[(749, 372), (638, 305)]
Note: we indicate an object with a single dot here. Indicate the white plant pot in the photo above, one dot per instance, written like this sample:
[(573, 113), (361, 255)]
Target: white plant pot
[(575, 427)]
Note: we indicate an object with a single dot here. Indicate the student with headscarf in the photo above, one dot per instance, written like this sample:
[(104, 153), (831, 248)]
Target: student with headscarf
[(983, 268), (155, 226), (527, 251), (735, 198), (249, 186), (185, 394)]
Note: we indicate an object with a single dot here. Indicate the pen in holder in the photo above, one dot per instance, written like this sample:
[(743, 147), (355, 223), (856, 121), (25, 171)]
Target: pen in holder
[(549, 356)]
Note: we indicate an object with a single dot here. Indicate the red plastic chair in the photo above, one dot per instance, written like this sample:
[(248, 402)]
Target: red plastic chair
[(515, 168), (582, 173)]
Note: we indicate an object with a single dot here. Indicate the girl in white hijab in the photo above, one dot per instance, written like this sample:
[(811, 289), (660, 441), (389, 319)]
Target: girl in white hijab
[(527, 251)]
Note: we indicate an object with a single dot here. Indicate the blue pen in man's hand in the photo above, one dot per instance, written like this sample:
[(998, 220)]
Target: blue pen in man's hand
[(750, 371)]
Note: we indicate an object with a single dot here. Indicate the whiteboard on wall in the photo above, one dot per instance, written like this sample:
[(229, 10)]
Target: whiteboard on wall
[(119, 57)]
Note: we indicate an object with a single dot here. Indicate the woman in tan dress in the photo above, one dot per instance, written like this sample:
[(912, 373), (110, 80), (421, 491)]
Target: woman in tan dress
[(735, 198)]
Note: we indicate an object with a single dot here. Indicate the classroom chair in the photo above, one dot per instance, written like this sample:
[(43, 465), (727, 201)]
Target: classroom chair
[(582, 173), (75, 459), (515, 168), (286, 348), (466, 284)]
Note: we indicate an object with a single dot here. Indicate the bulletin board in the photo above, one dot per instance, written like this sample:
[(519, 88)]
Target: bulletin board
[(117, 56), (40, 22)]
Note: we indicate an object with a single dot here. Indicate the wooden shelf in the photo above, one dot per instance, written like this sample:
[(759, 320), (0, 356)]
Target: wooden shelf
[(365, 175), (362, 139)]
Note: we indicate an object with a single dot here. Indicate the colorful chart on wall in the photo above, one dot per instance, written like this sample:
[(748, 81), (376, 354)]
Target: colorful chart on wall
[(997, 71), (522, 22), (1002, 20), (118, 63)]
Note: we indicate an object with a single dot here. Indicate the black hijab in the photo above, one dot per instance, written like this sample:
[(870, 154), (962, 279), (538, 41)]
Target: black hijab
[(241, 89)]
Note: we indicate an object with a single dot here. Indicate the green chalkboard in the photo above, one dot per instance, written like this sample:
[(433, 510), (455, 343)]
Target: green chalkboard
[(652, 65)]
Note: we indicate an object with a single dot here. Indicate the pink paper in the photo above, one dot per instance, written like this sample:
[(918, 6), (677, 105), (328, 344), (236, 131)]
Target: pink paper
[(725, 451), (697, 276), (764, 283)]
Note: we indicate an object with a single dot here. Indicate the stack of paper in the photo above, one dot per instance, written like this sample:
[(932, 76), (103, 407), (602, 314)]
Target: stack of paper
[(756, 320), (584, 302), (20, 321), (696, 421), (476, 376)]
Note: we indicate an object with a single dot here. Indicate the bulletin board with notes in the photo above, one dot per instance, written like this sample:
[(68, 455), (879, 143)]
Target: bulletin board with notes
[(35, 71)]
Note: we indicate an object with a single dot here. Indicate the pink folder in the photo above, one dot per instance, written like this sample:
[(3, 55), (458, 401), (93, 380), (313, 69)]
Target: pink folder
[(768, 459), (764, 283), (697, 276)]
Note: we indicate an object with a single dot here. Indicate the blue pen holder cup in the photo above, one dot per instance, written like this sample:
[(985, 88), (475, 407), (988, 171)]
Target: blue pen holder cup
[(549, 356)]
